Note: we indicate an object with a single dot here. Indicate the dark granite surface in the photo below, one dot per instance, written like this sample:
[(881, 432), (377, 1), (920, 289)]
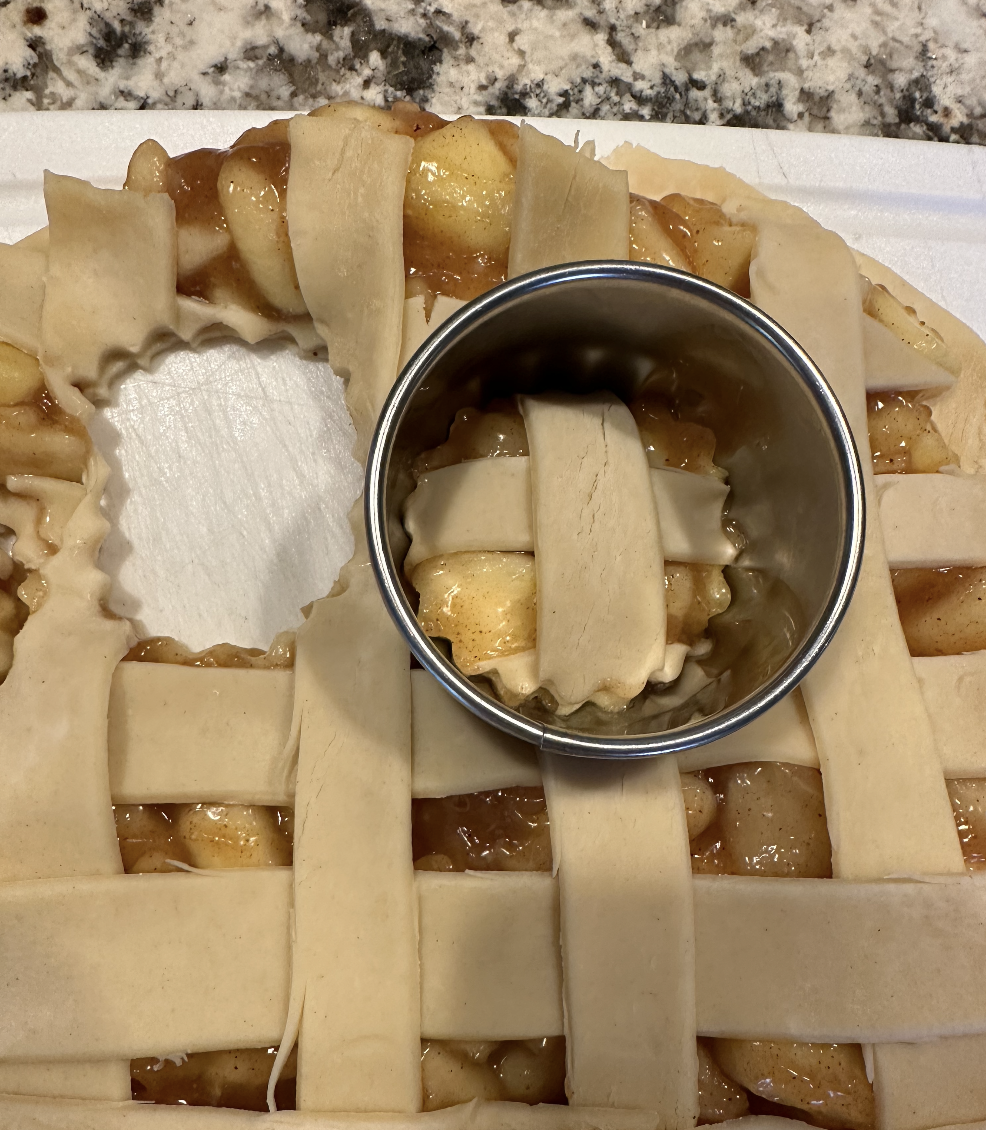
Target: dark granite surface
[(914, 68)]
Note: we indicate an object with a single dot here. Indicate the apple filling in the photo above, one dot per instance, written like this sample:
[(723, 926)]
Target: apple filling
[(158, 838), (231, 217), (457, 216), (904, 323), (477, 433), (736, 1077), (760, 818), (164, 649), (231, 209), (903, 438), (903, 435), (669, 440), (485, 604), (457, 197), (825, 1082), (693, 235), (457, 205), (968, 797), (36, 436), (165, 837), (942, 611), (236, 1079), (755, 819), (719, 1097), (500, 830), (520, 1071)]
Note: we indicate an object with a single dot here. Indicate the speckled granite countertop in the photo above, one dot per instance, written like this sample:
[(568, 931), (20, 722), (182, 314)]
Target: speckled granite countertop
[(901, 68)]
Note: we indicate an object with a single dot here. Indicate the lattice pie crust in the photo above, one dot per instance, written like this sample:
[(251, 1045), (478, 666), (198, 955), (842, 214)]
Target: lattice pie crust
[(351, 954)]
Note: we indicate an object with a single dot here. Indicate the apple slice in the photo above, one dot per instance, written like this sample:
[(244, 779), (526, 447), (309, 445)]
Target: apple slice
[(20, 375), (253, 193)]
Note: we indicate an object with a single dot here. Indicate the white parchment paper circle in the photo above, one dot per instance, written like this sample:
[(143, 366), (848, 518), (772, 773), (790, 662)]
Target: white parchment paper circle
[(232, 480)]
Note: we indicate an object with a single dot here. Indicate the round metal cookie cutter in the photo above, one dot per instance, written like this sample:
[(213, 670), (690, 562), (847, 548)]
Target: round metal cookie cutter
[(794, 472)]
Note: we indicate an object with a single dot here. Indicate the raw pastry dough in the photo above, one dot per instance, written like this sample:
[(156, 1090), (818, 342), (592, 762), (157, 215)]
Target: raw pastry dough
[(355, 969), (567, 206), (86, 951), (57, 502), (811, 959), (490, 967), (689, 508), (345, 216), (25, 516), (954, 691), (22, 271), (109, 298), (892, 366), (619, 846), (106, 1079), (178, 734), (958, 411), (935, 1083), (869, 721), (61, 1114), (417, 327), (930, 521), (187, 733), (655, 176), (782, 733), (55, 804), (456, 753), (201, 322), (832, 961), (481, 504), (601, 615)]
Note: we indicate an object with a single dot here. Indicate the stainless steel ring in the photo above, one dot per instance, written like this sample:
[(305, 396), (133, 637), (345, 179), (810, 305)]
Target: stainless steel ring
[(621, 290)]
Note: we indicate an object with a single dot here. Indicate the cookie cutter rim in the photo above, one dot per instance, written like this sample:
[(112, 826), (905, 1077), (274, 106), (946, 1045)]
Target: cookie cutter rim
[(490, 709)]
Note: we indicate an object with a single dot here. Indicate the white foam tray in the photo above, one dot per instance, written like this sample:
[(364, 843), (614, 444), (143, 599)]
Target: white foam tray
[(233, 474)]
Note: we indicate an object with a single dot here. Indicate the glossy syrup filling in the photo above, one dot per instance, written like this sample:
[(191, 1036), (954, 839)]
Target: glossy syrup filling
[(37, 437), (968, 797), (164, 649), (236, 1079), (903, 437), (158, 838), (500, 830), (231, 214), (457, 208), (942, 611), (520, 1071)]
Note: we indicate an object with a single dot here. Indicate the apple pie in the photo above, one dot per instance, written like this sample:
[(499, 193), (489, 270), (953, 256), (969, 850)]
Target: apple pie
[(307, 878)]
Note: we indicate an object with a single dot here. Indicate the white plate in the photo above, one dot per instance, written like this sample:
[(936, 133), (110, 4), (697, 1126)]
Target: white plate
[(234, 477)]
